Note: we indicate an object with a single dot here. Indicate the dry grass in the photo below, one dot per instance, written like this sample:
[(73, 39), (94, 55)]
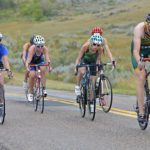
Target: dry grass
[(119, 43)]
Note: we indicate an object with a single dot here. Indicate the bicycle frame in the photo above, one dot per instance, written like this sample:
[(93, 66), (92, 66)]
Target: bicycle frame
[(2, 92)]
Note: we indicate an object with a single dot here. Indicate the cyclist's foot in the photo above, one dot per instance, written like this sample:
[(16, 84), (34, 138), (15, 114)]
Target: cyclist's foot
[(45, 93), (141, 118), (30, 97), (77, 90), (103, 101), (25, 85)]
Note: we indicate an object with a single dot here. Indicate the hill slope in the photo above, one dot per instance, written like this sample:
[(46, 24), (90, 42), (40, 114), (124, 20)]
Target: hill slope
[(66, 33)]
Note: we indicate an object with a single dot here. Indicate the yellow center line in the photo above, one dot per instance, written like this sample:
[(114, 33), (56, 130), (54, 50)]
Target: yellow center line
[(61, 100)]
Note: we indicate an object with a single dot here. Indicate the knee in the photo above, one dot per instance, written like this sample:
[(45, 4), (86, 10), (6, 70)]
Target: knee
[(32, 75)]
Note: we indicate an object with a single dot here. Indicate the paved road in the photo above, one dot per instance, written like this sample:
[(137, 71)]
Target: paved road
[(62, 128)]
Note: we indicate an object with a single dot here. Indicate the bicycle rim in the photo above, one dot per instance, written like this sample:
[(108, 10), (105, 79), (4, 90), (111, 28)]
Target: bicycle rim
[(35, 95), (91, 101), (82, 100), (2, 116), (41, 99), (105, 94), (143, 125)]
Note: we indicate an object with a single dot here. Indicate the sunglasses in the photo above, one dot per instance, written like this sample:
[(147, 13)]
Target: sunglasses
[(40, 46), (96, 45)]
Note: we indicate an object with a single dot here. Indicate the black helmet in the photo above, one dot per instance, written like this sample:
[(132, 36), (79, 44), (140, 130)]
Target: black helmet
[(31, 39), (148, 17)]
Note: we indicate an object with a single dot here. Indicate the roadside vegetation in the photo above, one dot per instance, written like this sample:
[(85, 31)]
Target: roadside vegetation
[(66, 25)]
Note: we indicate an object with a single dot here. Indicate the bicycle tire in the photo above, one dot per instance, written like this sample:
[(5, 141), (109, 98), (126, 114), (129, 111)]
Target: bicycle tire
[(143, 125), (40, 99), (2, 117), (35, 89), (105, 91), (82, 101), (91, 100)]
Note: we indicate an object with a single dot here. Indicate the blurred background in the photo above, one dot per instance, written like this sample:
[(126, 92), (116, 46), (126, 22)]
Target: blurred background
[(66, 25)]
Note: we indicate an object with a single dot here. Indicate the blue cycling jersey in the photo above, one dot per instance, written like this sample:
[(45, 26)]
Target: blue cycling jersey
[(3, 51)]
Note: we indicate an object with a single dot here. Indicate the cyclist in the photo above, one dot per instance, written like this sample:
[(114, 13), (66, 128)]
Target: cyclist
[(35, 56), (84, 50), (4, 56), (140, 45), (24, 58)]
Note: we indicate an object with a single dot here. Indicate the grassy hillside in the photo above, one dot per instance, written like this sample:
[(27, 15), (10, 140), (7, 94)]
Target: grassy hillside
[(65, 36)]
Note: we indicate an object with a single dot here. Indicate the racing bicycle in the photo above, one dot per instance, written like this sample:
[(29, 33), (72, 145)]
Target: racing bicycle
[(103, 88), (87, 97), (2, 97), (143, 124), (38, 95)]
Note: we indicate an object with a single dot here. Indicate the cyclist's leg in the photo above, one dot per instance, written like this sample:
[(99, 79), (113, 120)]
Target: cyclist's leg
[(81, 72), (26, 76), (140, 90), (43, 75), (93, 76), (140, 81), (32, 76)]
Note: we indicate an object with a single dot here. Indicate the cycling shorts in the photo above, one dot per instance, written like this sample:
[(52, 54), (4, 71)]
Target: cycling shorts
[(92, 69), (1, 65), (145, 50), (33, 68)]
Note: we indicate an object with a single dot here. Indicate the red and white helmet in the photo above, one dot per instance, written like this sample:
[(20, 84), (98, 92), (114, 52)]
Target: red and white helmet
[(97, 30)]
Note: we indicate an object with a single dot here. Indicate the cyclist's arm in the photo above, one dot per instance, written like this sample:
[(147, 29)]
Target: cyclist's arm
[(25, 48), (107, 49), (137, 42), (45, 51), (6, 63), (30, 55)]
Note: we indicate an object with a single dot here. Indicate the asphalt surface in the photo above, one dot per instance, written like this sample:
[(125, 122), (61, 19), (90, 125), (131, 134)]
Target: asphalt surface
[(60, 127)]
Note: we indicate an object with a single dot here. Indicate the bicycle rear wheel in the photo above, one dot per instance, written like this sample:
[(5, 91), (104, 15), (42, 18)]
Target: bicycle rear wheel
[(91, 100), (40, 96), (143, 125), (105, 94), (2, 105), (82, 101)]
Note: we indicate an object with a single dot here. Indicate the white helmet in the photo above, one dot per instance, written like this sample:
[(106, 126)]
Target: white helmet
[(97, 39), (1, 36), (39, 40)]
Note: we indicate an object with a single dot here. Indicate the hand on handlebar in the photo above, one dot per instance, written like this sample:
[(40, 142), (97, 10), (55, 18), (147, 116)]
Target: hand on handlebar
[(49, 68), (141, 65), (10, 74)]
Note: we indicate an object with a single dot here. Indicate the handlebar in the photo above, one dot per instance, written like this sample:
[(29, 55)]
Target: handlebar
[(146, 59), (100, 66), (37, 65)]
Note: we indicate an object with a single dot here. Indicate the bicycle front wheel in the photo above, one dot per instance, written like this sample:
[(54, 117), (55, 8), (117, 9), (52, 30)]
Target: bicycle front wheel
[(82, 101), (40, 101), (2, 105), (105, 94), (91, 100)]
